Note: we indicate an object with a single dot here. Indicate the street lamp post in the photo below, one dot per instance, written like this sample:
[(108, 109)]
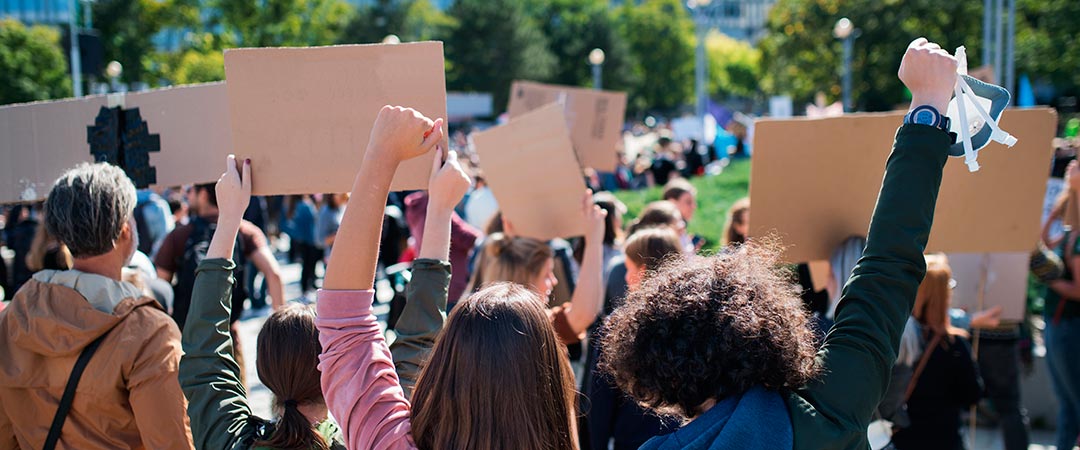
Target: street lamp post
[(596, 60), (701, 20), (846, 32)]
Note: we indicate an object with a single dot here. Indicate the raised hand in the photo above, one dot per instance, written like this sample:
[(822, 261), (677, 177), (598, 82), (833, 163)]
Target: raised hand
[(594, 218), (930, 73), (234, 189), (402, 133), (448, 183)]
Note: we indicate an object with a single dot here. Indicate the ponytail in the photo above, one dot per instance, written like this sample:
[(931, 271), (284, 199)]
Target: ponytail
[(294, 431)]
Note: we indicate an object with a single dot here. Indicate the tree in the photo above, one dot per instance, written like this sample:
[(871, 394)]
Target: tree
[(278, 23), (410, 20), (734, 67), (128, 26), (802, 57), (194, 66), (660, 34), (573, 29), (1047, 48), (32, 65), (493, 44)]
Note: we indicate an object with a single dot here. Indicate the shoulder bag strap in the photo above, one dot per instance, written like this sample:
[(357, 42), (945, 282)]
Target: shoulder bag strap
[(934, 342), (69, 392)]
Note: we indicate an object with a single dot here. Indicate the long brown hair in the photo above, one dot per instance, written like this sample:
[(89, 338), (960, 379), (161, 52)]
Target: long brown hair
[(288, 364), (498, 378), (661, 213), (736, 215), (933, 298)]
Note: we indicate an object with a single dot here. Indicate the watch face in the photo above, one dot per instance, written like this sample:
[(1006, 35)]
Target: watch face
[(925, 117)]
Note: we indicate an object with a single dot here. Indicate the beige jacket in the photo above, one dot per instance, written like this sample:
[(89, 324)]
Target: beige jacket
[(129, 396)]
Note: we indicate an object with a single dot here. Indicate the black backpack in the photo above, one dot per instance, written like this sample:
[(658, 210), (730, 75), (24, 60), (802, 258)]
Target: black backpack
[(194, 252)]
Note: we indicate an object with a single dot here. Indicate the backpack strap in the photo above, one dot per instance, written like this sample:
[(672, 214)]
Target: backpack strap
[(934, 342), (69, 392)]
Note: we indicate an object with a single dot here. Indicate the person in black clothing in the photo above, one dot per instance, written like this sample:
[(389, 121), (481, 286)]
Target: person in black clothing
[(950, 381)]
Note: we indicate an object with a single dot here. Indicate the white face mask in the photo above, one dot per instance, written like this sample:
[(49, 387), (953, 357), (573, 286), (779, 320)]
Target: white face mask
[(974, 113)]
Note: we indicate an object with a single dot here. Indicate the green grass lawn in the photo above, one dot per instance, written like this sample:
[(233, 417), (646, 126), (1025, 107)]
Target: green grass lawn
[(715, 196)]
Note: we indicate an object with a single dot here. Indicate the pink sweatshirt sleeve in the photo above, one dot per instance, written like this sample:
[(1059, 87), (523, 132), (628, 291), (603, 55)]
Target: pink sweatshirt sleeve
[(359, 382)]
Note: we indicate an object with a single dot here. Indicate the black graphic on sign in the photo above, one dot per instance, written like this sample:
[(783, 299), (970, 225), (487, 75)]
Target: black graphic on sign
[(120, 137)]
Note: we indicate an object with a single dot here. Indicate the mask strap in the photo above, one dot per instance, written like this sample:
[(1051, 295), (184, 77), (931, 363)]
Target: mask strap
[(998, 135), (965, 133)]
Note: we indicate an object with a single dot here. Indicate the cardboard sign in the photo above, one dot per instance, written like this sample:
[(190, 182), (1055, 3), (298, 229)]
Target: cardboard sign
[(1000, 278), (40, 141), (595, 118), (815, 182), (304, 115), (532, 170), (193, 125)]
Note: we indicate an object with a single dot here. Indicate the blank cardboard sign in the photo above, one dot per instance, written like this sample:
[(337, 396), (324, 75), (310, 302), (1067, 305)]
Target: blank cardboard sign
[(814, 183), (193, 124), (1005, 276), (304, 115), (532, 170), (595, 117), (39, 141)]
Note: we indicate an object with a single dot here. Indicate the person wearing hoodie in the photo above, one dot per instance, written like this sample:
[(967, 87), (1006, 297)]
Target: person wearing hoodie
[(128, 395)]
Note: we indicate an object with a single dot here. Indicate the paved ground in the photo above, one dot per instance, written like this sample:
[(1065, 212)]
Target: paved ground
[(260, 398)]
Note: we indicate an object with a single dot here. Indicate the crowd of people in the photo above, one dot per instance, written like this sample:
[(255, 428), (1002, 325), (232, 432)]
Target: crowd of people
[(122, 329)]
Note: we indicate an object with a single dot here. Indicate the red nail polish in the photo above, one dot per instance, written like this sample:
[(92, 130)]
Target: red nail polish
[(428, 133), (247, 161)]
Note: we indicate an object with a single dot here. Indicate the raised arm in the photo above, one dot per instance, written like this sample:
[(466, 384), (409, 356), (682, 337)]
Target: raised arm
[(209, 376), (860, 350), (588, 297), (426, 294), (359, 381)]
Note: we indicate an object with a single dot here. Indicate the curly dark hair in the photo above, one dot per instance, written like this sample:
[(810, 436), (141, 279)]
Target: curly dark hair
[(708, 327)]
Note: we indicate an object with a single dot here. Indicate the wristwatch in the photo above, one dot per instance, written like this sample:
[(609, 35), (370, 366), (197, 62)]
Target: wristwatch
[(928, 115)]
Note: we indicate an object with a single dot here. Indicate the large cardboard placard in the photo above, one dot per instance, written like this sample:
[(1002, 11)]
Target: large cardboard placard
[(193, 123), (304, 115), (1000, 278), (40, 141), (532, 170), (595, 117), (814, 183)]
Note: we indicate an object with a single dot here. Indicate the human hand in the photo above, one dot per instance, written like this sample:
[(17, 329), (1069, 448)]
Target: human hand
[(990, 318), (401, 133), (448, 183), (929, 72), (595, 223), (233, 190)]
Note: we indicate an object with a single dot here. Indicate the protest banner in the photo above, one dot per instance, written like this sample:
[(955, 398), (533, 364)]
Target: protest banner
[(161, 137), (814, 183), (1000, 279), (595, 118), (533, 173), (304, 115)]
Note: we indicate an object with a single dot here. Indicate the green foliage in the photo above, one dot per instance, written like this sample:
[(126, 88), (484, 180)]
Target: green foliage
[(802, 57), (734, 66), (573, 29), (1047, 45), (194, 66), (32, 65), (715, 195), (128, 26), (494, 43), (410, 20), (660, 34), (277, 23)]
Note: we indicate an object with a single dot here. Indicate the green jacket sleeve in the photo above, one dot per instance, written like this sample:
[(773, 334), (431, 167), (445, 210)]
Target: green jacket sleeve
[(421, 320), (217, 402), (859, 352)]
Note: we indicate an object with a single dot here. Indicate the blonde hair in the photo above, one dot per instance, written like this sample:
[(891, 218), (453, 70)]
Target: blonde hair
[(511, 259), (649, 248), (735, 215)]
